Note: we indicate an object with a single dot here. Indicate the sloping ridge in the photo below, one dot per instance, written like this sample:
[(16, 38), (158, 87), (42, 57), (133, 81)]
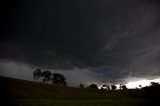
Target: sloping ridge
[(17, 88), (22, 92)]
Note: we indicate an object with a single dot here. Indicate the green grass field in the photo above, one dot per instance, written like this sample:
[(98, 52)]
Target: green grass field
[(26, 93)]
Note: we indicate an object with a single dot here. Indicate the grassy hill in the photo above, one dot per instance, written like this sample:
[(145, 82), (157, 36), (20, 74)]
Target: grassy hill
[(27, 93)]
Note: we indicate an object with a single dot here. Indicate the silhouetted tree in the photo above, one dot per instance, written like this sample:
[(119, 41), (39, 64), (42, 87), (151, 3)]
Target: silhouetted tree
[(81, 86), (104, 86), (120, 86), (108, 87), (153, 89), (94, 86), (113, 87), (124, 87), (155, 84), (46, 76), (101, 88), (58, 79), (37, 73)]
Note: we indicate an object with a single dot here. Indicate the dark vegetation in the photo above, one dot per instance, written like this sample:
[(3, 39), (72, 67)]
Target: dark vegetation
[(56, 78), (27, 93)]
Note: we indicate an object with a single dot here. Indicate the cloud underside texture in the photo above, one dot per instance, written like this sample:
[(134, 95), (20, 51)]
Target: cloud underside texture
[(113, 39)]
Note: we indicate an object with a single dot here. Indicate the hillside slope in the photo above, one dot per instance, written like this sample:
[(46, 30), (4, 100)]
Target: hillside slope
[(28, 93)]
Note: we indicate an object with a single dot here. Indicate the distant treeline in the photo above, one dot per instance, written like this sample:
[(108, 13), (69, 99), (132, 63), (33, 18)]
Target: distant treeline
[(60, 80)]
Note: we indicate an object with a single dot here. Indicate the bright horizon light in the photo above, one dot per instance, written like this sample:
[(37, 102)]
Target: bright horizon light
[(143, 83), (135, 83)]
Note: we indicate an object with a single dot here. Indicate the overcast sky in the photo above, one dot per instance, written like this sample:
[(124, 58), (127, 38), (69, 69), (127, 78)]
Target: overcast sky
[(89, 41)]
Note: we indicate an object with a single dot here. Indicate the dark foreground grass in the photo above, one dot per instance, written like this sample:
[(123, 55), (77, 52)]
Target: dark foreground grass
[(16, 92), (109, 102)]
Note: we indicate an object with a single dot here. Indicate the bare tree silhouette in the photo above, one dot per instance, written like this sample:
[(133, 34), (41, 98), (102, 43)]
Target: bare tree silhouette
[(37, 73)]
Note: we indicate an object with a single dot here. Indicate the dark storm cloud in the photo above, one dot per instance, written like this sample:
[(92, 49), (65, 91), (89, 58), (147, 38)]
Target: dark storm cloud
[(112, 37)]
